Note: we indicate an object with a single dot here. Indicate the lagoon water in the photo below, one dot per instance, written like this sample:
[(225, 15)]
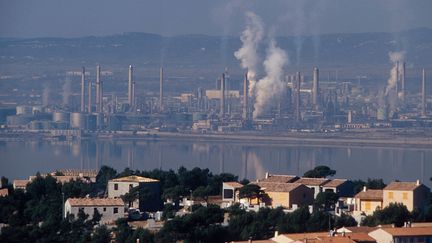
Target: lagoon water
[(19, 160)]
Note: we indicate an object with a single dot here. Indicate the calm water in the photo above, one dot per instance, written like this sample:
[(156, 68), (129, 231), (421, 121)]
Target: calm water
[(21, 159)]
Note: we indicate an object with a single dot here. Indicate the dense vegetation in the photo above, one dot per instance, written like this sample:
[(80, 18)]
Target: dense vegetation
[(36, 214)]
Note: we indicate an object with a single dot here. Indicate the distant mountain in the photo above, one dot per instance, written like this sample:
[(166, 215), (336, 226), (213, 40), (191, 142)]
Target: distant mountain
[(211, 54)]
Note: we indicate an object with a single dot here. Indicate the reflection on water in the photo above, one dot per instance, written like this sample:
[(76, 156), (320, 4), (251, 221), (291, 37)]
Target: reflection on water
[(21, 159)]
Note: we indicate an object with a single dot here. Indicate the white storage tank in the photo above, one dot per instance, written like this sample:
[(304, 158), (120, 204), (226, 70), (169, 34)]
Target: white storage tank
[(78, 120)]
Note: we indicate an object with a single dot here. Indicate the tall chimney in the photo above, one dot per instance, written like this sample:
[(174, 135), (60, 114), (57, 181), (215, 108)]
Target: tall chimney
[(245, 97), (83, 89), (222, 96), (297, 96), (403, 82), (315, 88), (89, 96), (161, 79), (423, 110), (98, 89), (130, 87)]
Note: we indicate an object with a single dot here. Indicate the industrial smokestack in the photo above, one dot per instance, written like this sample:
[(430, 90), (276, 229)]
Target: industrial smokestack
[(245, 97), (315, 88), (161, 76), (83, 89), (90, 96), (130, 87), (222, 95), (98, 90), (403, 82), (423, 110), (297, 96)]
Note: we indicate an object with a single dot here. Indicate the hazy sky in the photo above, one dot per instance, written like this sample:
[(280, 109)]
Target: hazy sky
[(69, 18)]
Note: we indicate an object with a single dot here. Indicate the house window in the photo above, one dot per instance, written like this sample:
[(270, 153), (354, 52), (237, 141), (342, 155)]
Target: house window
[(228, 193), (115, 186), (405, 195), (390, 195), (104, 209), (115, 210), (130, 186), (95, 210), (367, 206), (81, 209)]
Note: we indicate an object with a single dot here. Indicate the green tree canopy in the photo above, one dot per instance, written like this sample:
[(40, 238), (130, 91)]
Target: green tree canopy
[(320, 171)]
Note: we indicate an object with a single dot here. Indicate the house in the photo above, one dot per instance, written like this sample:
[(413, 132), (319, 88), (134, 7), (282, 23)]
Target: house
[(148, 192), (367, 201), (110, 208), (230, 191), (342, 187), (313, 183), (20, 184), (287, 195), (403, 235), (323, 237), (411, 194)]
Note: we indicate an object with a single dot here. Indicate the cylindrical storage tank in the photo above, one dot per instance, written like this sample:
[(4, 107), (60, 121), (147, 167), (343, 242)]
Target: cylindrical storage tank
[(78, 120), (91, 122), (47, 125), (24, 110), (61, 117), (37, 109)]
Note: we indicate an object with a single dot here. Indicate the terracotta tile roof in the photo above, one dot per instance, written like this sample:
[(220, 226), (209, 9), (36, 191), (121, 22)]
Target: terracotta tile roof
[(357, 229), (134, 178), (415, 231), (312, 181), (280, 178), (370, 195), (4, 192), (95, 202), (278, 187), (361, 236), (302, 236), (20, 183), (401, 186), (335, 183), (234, 184)]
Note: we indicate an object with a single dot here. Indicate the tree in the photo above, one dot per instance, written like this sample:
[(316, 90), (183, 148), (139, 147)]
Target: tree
[(174, 193), (202, 193), (320, 171), (122, 230), (370, 184), (105, 174), (326, 200), (394, 213), (101, 235), (251, 191)]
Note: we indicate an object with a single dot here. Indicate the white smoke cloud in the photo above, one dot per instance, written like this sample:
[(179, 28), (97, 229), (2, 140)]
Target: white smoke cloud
[(271, 86), (67, 90), (394, 57), (247, 54)]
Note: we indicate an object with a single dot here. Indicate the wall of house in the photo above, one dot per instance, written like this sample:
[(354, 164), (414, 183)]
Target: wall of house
[(226, 187), (108, 215), (123, 188), (404, 197), (279, 199), (368, 206), (301, 196)]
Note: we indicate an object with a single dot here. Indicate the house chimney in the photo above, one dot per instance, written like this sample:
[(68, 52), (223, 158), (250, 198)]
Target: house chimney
[(364, 188), (418, 182), (276, 234), (266, 175)]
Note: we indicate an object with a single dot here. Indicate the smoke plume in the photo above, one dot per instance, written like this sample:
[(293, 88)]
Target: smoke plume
[(247, 54), (271, 86), (394, 57), (67, 90)]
